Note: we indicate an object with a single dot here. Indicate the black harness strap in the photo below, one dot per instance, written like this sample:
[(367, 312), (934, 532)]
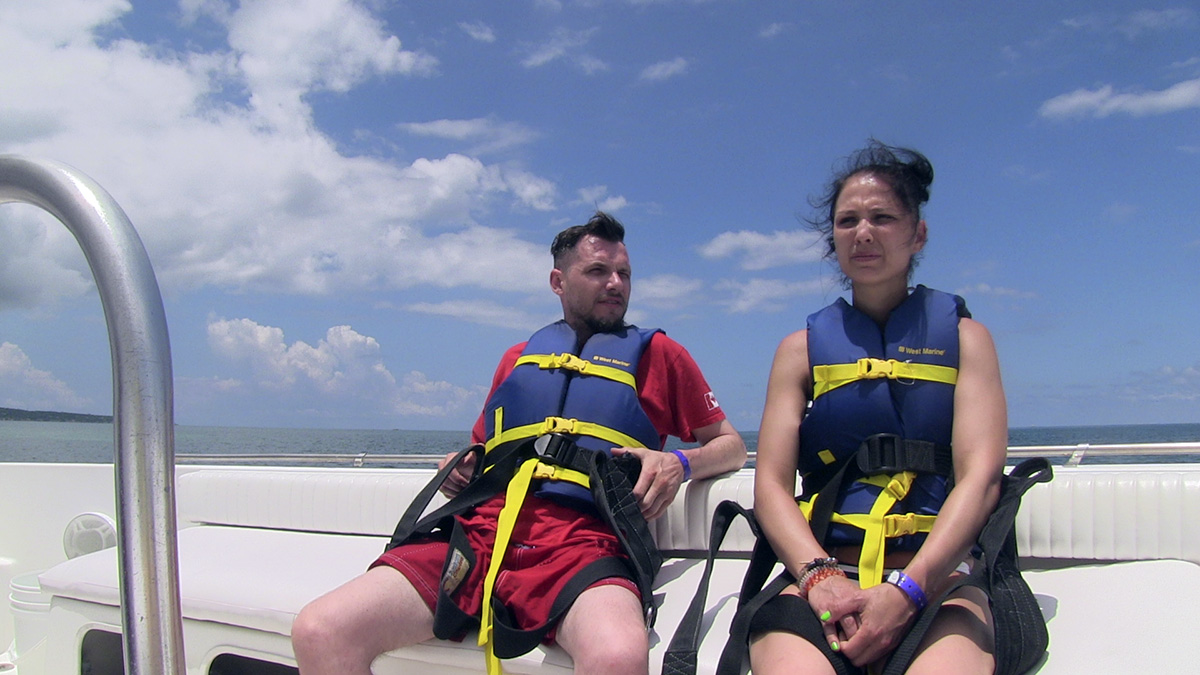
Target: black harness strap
[(791, 613), (1021, 636), (680, 657), (612, 488), (502, 462), (512, 642), (880, 453), (612, 480)]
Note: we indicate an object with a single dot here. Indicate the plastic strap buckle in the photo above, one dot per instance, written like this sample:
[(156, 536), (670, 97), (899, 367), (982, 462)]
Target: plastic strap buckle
[(882, 453), (561, 451)]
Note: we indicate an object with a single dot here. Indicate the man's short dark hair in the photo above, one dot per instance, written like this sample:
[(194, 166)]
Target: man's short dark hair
[(601, 225)]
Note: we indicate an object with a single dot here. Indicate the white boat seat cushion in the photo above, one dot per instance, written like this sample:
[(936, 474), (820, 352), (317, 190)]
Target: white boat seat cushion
[(258, 543)]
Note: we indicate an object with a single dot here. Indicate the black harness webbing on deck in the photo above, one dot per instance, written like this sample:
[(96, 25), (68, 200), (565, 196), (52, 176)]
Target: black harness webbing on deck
[(1020, 629)]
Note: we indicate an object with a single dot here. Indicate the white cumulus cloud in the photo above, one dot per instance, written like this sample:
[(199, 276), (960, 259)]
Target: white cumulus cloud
[(221, 170), (478, 30), (485, 134), (343, 370), (765, 295), (566, 45), (30, 388), (1106, 100), (760, 251), (664, 70)]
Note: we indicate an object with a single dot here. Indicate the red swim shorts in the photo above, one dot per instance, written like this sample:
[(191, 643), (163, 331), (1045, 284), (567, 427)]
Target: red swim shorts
[(550, 544)]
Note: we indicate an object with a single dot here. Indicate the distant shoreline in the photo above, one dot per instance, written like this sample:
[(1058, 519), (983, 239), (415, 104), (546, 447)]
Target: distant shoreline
[(16, 415)]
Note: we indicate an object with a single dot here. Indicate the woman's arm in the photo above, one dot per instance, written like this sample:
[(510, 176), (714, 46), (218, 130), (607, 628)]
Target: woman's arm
[(778, 457), (980, 445)]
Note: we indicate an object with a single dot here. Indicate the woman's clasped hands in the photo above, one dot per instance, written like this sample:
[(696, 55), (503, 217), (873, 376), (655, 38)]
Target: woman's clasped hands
[(862, 624)]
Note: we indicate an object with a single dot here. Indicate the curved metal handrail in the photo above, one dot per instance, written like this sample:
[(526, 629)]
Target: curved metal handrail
[(143, 403)]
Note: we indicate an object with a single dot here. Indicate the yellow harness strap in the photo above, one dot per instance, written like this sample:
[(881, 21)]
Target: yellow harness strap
[(514, 498), (559, 425), (582, 366), (878, 526), (533, 469), (826, 378)]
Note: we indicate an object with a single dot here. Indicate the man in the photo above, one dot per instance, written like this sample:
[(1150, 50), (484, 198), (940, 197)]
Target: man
[(558, 532)]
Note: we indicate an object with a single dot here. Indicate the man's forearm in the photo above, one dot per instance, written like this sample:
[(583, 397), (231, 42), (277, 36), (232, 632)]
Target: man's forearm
[(721, 451)]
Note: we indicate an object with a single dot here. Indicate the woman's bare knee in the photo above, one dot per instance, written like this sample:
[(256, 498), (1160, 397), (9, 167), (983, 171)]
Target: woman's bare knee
[(783, 652), (962, 635)]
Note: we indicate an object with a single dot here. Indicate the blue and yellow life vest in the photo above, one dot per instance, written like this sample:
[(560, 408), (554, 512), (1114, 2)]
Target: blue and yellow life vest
[(589, 395), (867, 381)]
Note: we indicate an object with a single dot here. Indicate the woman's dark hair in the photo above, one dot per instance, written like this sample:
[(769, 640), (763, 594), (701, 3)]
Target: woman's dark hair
[(907, 172)]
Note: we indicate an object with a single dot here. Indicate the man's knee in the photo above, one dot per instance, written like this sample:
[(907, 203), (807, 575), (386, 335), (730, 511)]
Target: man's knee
[(315, 627), (605, 632), (628, 655), (365, 617)]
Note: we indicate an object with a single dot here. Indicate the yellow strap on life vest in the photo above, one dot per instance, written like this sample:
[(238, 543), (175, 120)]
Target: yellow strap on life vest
[(878, 526), (582, 366), (826, 378), (559, 425), (514, 498), (551, 472)]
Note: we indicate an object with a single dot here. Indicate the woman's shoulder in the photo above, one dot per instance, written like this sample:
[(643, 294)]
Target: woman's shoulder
[(792, 353), (974, 340), (795, 341), (970, 329)]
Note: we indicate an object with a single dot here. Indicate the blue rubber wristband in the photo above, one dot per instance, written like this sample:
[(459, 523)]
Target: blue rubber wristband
[(910, 588), (687, 466)]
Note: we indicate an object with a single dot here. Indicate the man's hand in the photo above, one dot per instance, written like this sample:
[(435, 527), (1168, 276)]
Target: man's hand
[(659, 481), (461, 475)]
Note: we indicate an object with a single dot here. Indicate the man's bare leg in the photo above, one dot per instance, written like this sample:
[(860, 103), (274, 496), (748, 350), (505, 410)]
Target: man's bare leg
[(605, 633), (344, 630)]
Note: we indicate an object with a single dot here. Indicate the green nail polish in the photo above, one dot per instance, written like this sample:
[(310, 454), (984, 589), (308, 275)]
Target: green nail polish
[(826, 615), (834, 646)]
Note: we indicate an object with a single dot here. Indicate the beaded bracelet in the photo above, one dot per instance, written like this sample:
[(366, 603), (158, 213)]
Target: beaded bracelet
[(817, 576), (817, 565), (812, 566)]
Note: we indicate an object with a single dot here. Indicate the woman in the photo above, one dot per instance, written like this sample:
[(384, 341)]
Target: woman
[(951, 397)]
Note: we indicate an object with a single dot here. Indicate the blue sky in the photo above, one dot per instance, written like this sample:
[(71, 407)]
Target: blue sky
[(348, 205)]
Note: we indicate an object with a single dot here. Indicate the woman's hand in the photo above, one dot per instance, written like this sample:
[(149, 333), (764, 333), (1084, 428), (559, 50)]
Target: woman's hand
[(836, 598), (883, 615)]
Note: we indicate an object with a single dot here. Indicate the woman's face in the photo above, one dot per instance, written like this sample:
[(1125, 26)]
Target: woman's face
[(874, 236)]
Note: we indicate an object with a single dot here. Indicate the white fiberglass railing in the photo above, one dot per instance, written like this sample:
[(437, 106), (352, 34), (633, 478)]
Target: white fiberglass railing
[(1134, 453)]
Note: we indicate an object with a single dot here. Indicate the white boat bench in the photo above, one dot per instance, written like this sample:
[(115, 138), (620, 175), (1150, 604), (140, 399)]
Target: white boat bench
[(1113, 555)]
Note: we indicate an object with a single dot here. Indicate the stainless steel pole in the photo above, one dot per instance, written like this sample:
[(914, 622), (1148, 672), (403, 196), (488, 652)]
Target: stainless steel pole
[(143, 402)]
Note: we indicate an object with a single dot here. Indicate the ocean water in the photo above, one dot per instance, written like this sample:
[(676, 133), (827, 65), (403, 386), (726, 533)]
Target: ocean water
[(93, 443)]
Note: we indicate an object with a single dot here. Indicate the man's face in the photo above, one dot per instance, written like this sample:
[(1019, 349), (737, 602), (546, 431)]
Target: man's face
[(594, 287)]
